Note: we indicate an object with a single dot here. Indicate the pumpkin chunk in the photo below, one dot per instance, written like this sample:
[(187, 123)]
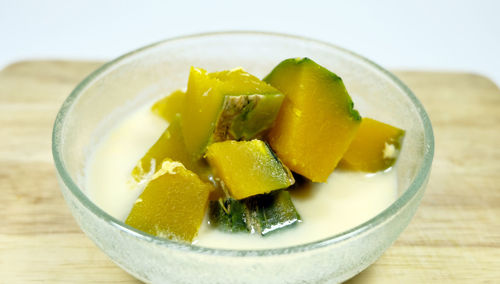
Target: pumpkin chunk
[(375, 147), (261, 214), (172, 205), (170, 106), (169, 145), (248, 168), (228, 215), (317, 121), (271, 212), (226, 105)]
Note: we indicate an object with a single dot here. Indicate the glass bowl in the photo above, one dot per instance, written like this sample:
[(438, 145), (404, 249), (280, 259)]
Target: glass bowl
[(141, 76)]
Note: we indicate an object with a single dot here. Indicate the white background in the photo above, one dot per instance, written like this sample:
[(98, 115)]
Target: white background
[(422, 35)]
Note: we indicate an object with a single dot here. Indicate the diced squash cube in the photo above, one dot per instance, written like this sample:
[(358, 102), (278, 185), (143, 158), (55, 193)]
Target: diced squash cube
[(227, 105), (375, 147), (271, 212), (248, 168), (228, 215), (170, 145), (170, 106), (317, 121), (172, 205), (262, 214)]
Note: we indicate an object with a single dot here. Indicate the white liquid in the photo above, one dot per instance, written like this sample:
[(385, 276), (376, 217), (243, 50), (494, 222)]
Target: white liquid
[(345, 201)]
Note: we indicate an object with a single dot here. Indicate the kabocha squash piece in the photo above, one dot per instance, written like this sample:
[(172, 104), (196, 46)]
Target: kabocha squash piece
[(227, 105), (228, 215), (271, 212), (169, 145), (172, 205), (248, 167), (375, 147), (317, 121), (261, 214), (170, 106)]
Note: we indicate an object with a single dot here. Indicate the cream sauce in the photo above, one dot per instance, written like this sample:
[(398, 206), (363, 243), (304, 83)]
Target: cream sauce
[(346, 200)]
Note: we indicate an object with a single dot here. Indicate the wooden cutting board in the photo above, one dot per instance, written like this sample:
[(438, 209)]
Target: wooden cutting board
[(454, 237)]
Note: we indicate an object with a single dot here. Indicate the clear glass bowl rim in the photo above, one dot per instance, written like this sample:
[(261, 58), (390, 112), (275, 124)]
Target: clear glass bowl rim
[(364, 228)]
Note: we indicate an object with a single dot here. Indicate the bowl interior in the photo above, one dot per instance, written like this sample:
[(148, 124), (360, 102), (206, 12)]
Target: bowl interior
[(142, 76)]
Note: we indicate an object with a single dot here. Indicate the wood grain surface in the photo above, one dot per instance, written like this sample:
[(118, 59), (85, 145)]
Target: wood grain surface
[(454, 237)]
